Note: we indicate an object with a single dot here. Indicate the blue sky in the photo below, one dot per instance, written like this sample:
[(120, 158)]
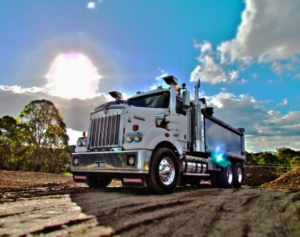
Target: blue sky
[(246, 54)]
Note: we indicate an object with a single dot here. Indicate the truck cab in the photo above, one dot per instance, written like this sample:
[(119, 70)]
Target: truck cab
[(159, 139)]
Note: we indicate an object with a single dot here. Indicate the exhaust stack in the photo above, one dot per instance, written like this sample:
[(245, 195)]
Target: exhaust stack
[(172, 81), (198, 141)]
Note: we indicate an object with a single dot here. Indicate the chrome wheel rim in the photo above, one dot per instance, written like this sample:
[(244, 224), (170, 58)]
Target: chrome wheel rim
[(239, 174), (166, 171), (229, 174)]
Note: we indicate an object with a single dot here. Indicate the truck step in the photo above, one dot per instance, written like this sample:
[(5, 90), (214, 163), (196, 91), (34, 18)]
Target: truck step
[(195, 174)]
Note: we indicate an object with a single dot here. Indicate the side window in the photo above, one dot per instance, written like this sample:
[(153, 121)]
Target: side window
[(179, 106)]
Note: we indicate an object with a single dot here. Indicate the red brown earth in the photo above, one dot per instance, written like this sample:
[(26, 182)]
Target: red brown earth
[(53, 205)]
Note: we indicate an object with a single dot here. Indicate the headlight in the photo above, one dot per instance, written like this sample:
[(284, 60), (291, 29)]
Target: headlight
[(84, 140), (79, 142), (75, 161), (137, 137), (129, 137)]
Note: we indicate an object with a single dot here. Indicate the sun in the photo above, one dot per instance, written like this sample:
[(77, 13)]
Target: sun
[(73, 75)]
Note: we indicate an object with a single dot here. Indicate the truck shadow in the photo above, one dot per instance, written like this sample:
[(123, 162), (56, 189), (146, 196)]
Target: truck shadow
[(113, 205)]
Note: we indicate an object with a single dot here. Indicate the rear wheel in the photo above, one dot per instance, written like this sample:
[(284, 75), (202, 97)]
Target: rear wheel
[(163, 173), (99, 180), (238, 174), (225, 177)]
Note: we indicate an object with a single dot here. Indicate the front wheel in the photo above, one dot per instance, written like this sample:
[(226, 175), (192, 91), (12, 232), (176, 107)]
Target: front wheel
[(163, 173)]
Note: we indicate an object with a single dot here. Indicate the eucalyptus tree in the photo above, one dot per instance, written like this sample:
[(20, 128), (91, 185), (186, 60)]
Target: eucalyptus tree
[(47, 135)]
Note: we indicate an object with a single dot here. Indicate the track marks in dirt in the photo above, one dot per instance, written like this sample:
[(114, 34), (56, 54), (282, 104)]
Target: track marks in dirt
[(158, 207), (195, 212), (189, 211)]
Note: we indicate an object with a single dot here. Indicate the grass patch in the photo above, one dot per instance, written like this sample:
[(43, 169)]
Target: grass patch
[(67, 174)]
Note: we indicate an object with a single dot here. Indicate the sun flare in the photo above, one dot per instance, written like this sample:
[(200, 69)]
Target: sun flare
[(73, 75)]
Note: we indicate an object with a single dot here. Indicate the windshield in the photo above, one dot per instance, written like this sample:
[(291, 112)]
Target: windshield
[(159, 100)]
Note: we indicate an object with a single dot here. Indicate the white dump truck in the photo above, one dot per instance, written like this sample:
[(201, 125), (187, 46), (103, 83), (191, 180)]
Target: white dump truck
[(159, 139)]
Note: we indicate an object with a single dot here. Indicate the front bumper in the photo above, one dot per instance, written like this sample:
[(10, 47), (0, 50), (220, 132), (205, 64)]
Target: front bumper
[(112, 162)]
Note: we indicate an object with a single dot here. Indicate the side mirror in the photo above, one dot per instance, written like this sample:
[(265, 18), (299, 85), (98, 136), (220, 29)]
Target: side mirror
[(159, 119)]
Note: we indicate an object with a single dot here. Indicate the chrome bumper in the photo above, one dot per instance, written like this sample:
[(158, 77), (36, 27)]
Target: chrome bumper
[(112, 162)]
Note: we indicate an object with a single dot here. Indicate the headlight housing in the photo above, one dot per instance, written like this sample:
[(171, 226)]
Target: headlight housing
[(129, 137), (133, 136), (137, 137), (82, 141)]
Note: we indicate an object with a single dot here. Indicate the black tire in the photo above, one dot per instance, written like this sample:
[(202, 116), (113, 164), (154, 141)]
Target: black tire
[(99, 180), (238, 174), (163, 172), (225, 177)]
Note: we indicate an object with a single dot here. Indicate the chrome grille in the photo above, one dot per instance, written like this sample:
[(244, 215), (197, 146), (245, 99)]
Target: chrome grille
[(105, 130)]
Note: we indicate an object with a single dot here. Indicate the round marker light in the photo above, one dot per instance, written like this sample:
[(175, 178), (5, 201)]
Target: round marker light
[(135, 127), (129, 137), (76, 161), (131, 160), (137, 137)]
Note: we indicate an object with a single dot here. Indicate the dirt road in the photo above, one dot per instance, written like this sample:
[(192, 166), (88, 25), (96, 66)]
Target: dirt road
[(189, 211)]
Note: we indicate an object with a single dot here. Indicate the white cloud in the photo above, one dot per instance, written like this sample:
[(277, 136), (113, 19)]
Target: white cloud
[(163, 74), (285, 102), (18, 90), (279, 67), (234, 75), (244, 81), (219, 99), (73, 135), (269, 30), (159, 79), (209, 71), (205, 47)]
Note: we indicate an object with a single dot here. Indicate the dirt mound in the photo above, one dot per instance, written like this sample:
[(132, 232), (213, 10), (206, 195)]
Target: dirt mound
[(14, 180), (256, 176), (290, 180)]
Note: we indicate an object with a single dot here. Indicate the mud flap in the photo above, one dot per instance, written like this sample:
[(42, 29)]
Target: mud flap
[(133, 180)]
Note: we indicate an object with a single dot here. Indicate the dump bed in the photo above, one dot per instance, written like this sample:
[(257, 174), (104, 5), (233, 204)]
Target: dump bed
[(221, 138)]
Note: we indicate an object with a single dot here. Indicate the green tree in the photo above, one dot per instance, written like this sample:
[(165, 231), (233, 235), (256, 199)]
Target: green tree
[(285, 155), (250, 158), (47, 137), (295, 161), (12, 150), (268, 159)]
